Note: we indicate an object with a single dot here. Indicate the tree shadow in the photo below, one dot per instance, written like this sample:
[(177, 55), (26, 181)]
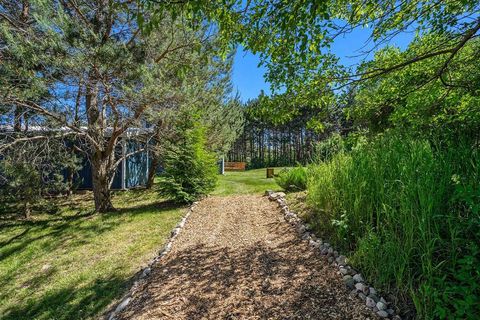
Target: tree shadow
[(73, 302), (37, 239), (287, 281), (164, 205)]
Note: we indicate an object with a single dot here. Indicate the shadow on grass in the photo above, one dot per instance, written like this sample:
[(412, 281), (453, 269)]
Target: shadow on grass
[(65, 303), (161, 206), (58, 229), (42, 240)]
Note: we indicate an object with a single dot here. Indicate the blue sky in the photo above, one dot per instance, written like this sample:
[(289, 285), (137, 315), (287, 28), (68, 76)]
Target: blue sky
[(248, 77)]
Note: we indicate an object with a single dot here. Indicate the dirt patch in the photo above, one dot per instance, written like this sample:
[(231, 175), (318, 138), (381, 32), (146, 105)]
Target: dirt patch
[(238, 259)]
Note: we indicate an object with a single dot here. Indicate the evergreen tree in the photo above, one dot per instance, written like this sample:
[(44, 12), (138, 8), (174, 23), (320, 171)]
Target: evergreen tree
[(190, 169)]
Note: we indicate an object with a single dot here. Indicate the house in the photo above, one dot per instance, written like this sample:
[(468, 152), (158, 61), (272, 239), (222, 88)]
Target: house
[(132, 171), (132, 149)]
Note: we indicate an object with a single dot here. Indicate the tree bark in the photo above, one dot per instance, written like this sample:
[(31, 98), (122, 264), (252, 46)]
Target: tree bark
[(101, 184), (100, 159), (152, 171)]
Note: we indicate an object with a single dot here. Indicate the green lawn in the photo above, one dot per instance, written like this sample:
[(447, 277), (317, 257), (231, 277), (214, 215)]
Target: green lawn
[(73, 264), (245, 182)]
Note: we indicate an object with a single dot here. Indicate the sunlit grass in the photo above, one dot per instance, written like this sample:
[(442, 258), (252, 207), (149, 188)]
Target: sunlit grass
[(74, 264), (245, 182)]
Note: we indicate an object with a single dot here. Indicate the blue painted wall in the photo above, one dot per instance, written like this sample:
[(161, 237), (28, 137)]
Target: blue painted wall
[(136, 173)]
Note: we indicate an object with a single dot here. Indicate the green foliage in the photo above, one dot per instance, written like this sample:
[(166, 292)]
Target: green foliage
[(294, 38), (293, 179), (30, 171), (190, 169), (326, 149), (414, 99), (22, 183), (408, 210)]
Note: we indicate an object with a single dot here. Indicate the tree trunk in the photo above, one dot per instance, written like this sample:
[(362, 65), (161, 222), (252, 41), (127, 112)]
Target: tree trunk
[(101, 184), (152, 171), (70, 176), (26, 210)]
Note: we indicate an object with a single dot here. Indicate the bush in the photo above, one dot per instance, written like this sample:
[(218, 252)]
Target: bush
[(190, 170), (408, 212), (31, 171), (293, 179)]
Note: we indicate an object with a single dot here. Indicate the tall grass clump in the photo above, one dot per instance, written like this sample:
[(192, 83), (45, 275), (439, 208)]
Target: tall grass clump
[(292, 179), (409, 213)]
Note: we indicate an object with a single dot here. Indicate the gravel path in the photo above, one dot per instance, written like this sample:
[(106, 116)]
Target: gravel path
[(237, 258)]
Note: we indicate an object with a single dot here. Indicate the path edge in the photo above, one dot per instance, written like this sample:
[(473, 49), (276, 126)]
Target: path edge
[(142, 275), (352, 279)]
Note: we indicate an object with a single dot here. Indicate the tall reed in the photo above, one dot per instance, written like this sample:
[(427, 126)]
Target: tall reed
[(401, 207)]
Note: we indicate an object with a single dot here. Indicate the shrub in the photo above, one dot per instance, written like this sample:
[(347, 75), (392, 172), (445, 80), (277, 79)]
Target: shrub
[(293, 179), (408, 211), (31, 171), (190, 169)]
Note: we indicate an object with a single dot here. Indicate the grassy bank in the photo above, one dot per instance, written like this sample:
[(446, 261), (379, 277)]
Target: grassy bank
[(408, 212), (245, 182), (72, 265)]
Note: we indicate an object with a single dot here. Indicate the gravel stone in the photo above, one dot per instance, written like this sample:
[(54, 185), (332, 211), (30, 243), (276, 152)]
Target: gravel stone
[(301, 229), (374, 297), (146, 271), (362, 287), (122, 305), (306, 236), (370, 302), (349, 282), (314, 244), (381, 305), (382, 313), (342, 260), (358, 278), (330, 251)]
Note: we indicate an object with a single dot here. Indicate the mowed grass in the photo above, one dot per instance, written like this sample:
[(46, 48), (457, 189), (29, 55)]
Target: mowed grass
[(75, 264), (245, 182)]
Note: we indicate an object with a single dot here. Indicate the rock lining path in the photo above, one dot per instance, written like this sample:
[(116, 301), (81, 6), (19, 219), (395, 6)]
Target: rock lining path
[(237, 258)]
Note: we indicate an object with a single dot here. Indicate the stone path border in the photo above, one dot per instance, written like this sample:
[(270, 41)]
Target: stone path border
[(352, 279), (142, 275)]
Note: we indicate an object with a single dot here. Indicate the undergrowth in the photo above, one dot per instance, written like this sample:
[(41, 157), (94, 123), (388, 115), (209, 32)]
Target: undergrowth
[(292, 179), (408, 211)]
